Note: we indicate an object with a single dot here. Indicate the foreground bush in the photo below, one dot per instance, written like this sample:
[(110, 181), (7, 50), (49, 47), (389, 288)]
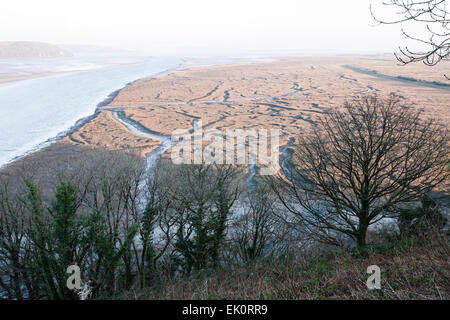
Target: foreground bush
[(410, 269), (120, 224), (188, 232)]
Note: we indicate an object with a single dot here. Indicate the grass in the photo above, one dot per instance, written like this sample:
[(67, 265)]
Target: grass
[(410, 269)]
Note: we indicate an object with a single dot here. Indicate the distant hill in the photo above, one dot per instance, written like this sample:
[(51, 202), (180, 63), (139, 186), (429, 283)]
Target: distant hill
[(27, 49)]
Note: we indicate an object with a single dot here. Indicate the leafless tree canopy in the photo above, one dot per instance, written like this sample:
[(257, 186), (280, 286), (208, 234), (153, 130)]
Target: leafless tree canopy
[(434, 15), (360, 163)]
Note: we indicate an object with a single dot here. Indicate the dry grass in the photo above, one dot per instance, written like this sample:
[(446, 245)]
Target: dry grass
[(409, 270), (167, 103)]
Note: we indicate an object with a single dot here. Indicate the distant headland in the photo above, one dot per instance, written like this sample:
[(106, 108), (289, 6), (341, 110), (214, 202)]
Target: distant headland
[(30, 50)]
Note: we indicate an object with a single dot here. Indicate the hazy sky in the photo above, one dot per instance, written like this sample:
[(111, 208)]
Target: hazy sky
[(201, 26)]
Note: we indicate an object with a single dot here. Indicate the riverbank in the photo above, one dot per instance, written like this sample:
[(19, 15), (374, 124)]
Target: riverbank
[(13, 78), (289, 94), (45, 110)]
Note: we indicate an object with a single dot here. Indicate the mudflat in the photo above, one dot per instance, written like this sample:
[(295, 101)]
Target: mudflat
[(290, 94)]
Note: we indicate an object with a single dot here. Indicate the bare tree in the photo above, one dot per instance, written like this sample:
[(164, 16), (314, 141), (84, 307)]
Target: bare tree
[(361, 163), (15, 251), (434, 16), (254, 228)]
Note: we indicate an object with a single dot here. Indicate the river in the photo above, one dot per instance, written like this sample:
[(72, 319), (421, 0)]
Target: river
[(35, 112)]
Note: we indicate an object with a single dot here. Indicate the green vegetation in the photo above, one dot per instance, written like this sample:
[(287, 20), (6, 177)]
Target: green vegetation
[(192, 232)]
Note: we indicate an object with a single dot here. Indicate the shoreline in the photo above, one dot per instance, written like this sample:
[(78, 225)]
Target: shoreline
[(45, 74), (84, 120), (297, 111), (37, 75), (182, 67), (79, 123)]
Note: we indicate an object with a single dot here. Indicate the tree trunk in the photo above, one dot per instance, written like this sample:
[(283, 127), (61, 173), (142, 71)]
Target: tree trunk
[(361, 235)]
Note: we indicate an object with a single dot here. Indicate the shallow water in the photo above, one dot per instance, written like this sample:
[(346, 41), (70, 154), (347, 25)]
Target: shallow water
[(152, 157), (35, 111)]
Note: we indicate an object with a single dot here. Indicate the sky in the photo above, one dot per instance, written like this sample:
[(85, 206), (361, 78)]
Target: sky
[(176, 27)]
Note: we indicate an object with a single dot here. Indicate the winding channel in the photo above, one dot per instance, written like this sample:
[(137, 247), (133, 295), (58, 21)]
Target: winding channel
[(153, 157), (137, 129)]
